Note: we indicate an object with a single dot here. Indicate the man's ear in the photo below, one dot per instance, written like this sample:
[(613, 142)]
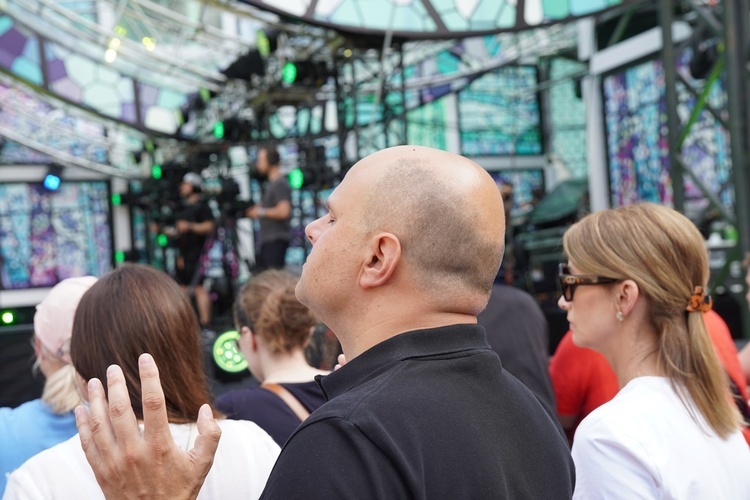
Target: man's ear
[(383, 256)]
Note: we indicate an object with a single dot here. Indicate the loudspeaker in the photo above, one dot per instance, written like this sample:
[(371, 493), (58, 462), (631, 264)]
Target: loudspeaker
[(18, 383)]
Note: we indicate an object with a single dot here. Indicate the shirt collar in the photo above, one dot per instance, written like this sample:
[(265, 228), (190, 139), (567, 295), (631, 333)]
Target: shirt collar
[(413, 344)]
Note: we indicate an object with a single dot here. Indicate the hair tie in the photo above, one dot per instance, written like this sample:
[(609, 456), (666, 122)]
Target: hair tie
[(699, 301)]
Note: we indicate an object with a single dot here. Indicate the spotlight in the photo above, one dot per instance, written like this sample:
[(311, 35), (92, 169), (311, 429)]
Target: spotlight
[(7, 317), (246, 66), (226, 353), (53, 178), (305, 73)]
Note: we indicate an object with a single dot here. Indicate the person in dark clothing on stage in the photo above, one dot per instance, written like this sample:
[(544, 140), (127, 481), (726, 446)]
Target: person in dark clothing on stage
[(400, 266), (274, 213), (195, 223)]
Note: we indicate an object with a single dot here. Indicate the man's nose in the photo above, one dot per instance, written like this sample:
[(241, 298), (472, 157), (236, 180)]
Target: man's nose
[(311, 231)]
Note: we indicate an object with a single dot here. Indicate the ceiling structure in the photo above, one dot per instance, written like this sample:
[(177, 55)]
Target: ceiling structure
[(435, 19), (134, 71)]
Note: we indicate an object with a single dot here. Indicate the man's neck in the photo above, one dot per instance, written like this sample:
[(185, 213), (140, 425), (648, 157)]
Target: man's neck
[(273, 173), (361, 339)]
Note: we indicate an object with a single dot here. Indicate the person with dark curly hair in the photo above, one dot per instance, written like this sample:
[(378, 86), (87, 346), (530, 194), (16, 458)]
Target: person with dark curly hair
[(274, 331)]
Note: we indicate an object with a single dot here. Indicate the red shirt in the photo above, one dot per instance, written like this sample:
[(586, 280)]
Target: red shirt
[(583, 379)]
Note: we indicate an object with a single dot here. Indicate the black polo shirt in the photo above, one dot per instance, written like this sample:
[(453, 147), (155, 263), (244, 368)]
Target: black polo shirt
[(426, 414)]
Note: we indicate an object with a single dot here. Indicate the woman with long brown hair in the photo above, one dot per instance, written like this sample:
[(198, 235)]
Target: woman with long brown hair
[(130, 311), (634, 289)]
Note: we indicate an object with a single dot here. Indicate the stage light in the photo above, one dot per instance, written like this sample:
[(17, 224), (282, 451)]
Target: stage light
[(296, 178), (218, 130), (149, 42), (119, 256), (7, 317), (309, 73), (226, 353), (303, 177), (289, 72), (116, 199), (263, 44), (53, 178), (156, 171), (267, 41), (246, 66), (162, 240), (110, 55)]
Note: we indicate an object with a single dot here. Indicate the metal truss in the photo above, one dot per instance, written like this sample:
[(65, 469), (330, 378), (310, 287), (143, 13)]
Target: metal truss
[(109, 153), (727, 21)]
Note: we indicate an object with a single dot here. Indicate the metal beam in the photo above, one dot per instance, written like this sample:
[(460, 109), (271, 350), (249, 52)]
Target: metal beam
[(736, 44), (666, 16)]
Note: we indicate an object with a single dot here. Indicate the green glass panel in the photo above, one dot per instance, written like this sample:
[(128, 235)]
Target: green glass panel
[(6, 23), (583, 7), (555, 9), (27, 69)]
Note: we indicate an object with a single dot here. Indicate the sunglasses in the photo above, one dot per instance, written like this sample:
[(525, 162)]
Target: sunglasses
[(569, 282)]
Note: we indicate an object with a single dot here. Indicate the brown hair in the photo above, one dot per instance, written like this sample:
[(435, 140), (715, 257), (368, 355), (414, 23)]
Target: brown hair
[(267, 304), (133, 310), (664, 253)]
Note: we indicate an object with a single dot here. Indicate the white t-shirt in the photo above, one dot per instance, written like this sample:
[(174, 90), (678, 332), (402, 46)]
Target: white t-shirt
[(644, 443), (243, 462)]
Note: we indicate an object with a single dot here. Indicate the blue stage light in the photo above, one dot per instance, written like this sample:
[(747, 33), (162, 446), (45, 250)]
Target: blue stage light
[(53, 178)]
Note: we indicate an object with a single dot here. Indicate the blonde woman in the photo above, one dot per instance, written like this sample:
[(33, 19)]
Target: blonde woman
[(634, 289), (274, 331), (42, 423)]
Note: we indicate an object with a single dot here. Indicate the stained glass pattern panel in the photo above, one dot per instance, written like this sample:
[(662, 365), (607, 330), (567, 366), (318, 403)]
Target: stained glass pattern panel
[(636, 122), (499, 114), (47, 237), (568, 119)]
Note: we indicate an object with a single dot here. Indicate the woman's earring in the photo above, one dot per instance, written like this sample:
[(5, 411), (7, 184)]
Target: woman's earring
[(620, 316)]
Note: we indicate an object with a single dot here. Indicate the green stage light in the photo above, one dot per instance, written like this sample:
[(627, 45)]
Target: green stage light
[(119, 256), (156, 171), (219, 130), (227, 355), (296, 178), (7, 317), (289, 72), (116, 199), (262, 43), (162, 240)]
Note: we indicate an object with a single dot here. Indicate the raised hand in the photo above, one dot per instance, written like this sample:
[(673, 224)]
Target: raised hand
[(131, 464)]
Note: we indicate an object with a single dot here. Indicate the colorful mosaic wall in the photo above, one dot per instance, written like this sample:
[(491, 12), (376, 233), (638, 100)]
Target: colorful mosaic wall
[(635, 116), (46, 237)]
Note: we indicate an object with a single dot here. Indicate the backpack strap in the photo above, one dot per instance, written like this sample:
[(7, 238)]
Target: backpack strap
[(288, 398)]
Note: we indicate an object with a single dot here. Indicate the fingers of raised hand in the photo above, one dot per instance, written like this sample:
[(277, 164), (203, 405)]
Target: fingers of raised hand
[(207, 441), (155, 423)]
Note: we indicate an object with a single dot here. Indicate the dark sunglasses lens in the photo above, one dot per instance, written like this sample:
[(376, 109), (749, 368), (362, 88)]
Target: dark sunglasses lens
[(567, 291)]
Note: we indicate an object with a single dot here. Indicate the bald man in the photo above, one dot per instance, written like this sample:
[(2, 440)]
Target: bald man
[(400, 266)]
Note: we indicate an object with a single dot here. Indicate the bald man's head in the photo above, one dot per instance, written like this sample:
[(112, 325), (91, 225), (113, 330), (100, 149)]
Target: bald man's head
[(448, 215)]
